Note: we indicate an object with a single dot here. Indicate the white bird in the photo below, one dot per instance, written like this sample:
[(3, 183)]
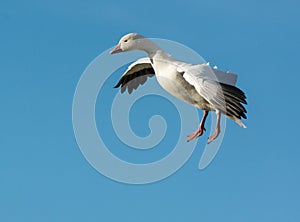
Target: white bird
[(197, 85)]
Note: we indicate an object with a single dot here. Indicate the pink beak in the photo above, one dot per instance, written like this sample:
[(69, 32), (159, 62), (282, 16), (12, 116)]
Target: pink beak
[(116, 49)]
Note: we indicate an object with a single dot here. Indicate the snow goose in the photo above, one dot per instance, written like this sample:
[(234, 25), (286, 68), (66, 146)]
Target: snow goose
[(198, 85)]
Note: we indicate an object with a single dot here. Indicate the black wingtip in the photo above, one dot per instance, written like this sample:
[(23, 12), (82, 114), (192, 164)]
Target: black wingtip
[(118, 85)]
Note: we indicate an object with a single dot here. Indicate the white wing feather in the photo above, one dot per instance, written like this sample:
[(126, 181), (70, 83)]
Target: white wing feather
[(206, 83)]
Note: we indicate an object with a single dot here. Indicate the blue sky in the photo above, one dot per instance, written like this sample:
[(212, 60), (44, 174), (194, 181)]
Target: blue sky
[(46, 45)]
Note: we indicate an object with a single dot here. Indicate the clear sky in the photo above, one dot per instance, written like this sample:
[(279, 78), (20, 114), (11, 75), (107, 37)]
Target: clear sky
[(45, 47)]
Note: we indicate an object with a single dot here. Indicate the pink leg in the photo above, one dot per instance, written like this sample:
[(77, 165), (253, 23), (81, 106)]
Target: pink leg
[(200, 129), (217, 130)]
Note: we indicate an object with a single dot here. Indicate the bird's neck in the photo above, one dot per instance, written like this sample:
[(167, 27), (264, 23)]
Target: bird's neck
[(150, 48)]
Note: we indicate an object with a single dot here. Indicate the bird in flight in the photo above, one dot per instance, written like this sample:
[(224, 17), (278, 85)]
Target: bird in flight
[(196, 84)]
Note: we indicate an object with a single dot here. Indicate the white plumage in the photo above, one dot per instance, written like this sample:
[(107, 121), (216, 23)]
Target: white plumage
[(199, 85)]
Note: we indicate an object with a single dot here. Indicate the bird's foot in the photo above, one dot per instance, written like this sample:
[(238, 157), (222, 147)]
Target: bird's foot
[(214, 136), (196, 134)]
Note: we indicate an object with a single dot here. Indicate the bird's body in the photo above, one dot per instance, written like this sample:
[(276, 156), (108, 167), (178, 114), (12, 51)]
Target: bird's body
[(197, 85), (172, 81)]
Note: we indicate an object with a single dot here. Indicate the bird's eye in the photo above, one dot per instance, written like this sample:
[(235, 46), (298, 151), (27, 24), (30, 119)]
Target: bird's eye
[(126, 40)]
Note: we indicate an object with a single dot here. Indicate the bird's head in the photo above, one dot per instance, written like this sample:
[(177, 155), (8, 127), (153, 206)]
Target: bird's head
[(131, 41)]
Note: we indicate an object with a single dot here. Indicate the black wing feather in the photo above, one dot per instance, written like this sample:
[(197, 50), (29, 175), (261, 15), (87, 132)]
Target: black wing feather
[(135, 79)]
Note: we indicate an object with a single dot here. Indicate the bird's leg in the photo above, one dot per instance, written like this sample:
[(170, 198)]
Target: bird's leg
[(217, 130), (200, 129)]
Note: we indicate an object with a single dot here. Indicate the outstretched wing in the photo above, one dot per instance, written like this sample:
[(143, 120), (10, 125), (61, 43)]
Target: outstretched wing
[(222, 96), (136, 75)]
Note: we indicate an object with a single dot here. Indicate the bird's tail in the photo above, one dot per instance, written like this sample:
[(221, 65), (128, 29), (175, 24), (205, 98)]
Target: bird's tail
[(238, 121)]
